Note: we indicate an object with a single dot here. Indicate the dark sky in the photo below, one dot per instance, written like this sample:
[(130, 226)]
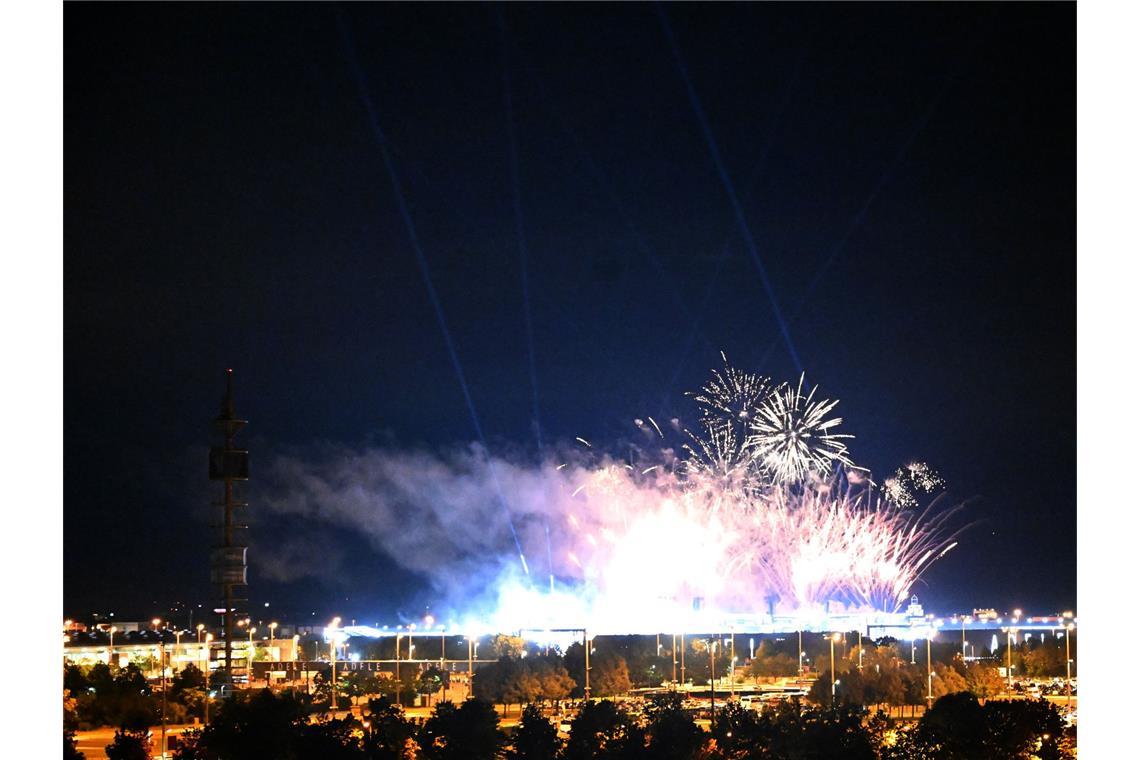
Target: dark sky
[(906, 172)]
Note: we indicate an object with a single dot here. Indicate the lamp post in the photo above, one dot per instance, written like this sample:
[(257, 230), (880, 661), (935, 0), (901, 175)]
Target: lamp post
[(398, 634), (111, 646), (249, 659), (834, 638), (732, 665), (1068, 673), (272, 632), (332, 658), (929, 675), (800, 634), (674, 662), (442, 646), (683, 657), (470, 667), (206, 659), (712, 683), (586, 646), (1008, 660), (162, 671)]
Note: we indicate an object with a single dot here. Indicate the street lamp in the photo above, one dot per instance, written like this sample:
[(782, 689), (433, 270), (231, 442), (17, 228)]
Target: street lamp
[(398, 634), (1068, 673), (111, 646), (800, 634), (586, 647), (732, 681), (834, 638), (155, 623), (206, 658), (674, 662), (1008, 660), (712, 681), (929, 676), (682, 657)]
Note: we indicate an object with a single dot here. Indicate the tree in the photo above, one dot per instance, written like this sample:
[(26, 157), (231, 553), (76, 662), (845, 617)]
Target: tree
[(70, 750), (507, 646), (793, 731), (609, 676), (357, 684), (430, 681), (737, 733), (129, 745), (470, 731), (1024, 728), (769, 661), (262, 725), (535, 738), (575, 663), (773, 665), (672, 733), (947, 680), (190, 677), (983, 681), (390, 733), (498, 682), (554, 683), (957, 728), (336, 739), (75, 680), (603, 730)]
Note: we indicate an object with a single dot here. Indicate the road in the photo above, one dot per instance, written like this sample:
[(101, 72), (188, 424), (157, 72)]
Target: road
[(92, 743)]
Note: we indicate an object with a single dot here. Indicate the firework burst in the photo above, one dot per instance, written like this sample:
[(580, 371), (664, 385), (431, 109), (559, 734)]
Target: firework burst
[(791, 435), (909, 482)]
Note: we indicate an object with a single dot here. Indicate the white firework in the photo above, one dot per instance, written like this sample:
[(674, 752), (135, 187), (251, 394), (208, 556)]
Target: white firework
[(732, 396), (791, 436), (908, 482), (719, 452)]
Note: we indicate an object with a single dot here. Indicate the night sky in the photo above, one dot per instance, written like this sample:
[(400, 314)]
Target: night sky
[(905, 177)]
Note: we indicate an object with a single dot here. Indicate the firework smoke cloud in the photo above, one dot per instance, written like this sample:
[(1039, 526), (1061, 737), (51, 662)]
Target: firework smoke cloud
[(763, 513)]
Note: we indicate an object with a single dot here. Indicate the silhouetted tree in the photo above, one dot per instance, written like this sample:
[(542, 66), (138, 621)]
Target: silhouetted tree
[(673, 735), (958, 728), (259, 726), (470, 731), (70, 750), (129, 745), (390, 733), (190, 677), (336, 739), (609, 676), (535, 738), (604, 730)]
